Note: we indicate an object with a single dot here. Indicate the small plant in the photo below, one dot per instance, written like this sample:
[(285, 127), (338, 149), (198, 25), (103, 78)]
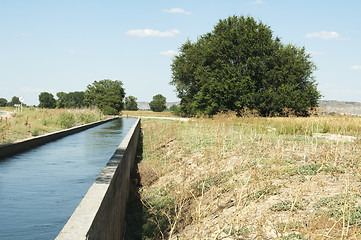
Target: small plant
[(335, 202), (35, 132), (291, 226), (66, 120), (207, 183), (324, 128), (286, 206), (261, 194), (310, 169), (3, 133), (294, 236), (158, 209), (241, 233), (335, 205), (45, 121)]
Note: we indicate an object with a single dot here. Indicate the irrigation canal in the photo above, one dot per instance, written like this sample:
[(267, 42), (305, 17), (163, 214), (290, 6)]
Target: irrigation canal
[(40, 188)]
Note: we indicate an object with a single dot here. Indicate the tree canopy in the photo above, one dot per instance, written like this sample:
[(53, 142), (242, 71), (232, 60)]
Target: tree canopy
[(107, 95), (3, 102), (158, 103), (175, 109), (241, 65), (70, 100), (131, 103), (14, 100), (47, 100)]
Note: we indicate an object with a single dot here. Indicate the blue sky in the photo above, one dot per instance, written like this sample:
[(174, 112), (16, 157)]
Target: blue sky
[(65, 45)]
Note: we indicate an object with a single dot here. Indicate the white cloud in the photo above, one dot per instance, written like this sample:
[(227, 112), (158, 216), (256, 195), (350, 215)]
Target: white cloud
[(177, 10), (356, 67), (152, 33), (169, 53), (314, 53), (323, 35), (255, 2)]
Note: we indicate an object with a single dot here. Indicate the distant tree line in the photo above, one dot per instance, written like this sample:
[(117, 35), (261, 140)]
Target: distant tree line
[(70, 100), (108, 95), (64, 100), (5, 103)]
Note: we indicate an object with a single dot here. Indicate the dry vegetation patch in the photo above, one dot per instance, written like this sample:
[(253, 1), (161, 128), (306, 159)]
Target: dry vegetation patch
[(33, 122), (140, 113), (251, 178)]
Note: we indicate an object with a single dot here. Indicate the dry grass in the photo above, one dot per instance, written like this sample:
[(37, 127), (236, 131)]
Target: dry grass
[(147, 114), (252, 178), (34, 121)]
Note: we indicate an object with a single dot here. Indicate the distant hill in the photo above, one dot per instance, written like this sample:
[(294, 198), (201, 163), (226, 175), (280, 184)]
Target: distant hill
[(340, 107), (327, 106)]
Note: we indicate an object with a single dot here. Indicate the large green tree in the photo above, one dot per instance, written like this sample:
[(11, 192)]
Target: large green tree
[(107, 95), (70, 100), (131, 103), (14, 100), (76, 99), (3, 102), (62, 99), (241, 64), (46, 100), (158, 104)]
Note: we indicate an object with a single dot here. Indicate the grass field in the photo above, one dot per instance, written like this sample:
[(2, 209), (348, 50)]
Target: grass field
[(249, 178), (35, 121), (231, 177), (147, 114)]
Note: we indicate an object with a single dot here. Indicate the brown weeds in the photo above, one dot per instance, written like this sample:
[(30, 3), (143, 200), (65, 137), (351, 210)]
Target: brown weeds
[(221, 176)]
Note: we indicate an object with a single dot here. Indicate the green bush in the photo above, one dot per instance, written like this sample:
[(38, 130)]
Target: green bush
[(85, 118), (107, 110), (175, 109), (45, 121), (66, 120), (35, 132)]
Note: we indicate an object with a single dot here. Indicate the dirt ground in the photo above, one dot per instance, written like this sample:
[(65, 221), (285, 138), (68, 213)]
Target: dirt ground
[(210, 179)]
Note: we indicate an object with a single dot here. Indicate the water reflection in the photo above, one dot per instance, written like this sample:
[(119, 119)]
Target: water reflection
[(40, 188)]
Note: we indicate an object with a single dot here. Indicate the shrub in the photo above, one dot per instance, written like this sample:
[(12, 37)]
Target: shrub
[(66, 120)]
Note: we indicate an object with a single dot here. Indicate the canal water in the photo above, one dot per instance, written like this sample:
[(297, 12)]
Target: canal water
[(40, 188)]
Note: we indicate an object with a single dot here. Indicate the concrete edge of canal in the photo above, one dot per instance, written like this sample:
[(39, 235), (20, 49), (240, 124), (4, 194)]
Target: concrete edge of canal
[(100, 214), (9, 149)]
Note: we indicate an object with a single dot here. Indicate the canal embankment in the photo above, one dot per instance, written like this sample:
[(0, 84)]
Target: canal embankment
[(40, 188), (9, 149), (100, 215)]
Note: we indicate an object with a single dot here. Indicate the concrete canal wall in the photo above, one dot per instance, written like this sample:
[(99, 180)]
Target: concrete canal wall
[(26, 144), (100, 215)]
